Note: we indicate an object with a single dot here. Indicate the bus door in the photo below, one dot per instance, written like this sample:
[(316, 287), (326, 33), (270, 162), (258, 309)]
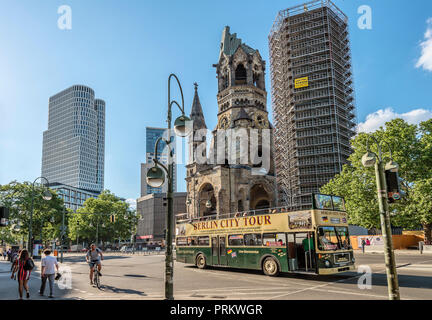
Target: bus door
[(301, 251), (222, 251), (305, 251), (219, 250), (291, 252)]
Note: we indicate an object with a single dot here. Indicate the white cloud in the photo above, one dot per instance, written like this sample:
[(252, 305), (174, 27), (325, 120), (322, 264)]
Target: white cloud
[(378, 119), (425, 61), (132, 203)]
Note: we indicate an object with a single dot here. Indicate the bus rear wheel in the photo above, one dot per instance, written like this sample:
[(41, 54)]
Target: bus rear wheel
[(270, 267), (200, 261)]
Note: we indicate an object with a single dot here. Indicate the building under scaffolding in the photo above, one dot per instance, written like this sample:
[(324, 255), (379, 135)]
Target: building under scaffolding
[(312, 97)]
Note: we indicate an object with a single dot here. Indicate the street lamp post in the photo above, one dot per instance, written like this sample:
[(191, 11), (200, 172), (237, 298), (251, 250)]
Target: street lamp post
[(156, 178), (62, 234), (369, 160), (46, 196)]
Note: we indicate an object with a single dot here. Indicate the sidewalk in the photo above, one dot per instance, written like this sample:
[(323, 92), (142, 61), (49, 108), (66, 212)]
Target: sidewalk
[(5, 266), (397, 252)]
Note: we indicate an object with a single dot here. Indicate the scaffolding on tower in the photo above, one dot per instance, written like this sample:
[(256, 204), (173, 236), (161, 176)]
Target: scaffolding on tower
[(312, 98)]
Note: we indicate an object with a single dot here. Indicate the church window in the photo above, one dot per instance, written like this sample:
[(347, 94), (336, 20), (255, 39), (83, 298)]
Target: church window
[(240, 75)]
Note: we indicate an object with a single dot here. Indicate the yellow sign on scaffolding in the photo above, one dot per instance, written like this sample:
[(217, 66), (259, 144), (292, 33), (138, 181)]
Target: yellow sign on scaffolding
[(301, 82)]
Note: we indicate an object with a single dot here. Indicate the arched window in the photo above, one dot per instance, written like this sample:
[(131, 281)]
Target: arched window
[(240, 75)]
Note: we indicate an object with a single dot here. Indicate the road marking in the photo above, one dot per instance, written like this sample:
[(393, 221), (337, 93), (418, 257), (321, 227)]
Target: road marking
[(354, 293), (259, 279)]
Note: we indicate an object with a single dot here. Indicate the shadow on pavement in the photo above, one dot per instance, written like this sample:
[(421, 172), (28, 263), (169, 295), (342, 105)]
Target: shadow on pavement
[(378, 279), (112, 289), (73, 259)]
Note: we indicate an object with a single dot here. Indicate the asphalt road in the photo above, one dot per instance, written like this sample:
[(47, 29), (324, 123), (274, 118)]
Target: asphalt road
[(142, 277)]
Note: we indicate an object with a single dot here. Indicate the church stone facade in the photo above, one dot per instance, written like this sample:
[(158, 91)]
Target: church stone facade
[(215, 187)]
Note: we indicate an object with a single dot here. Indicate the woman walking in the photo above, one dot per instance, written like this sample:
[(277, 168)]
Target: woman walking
[(23, 275)]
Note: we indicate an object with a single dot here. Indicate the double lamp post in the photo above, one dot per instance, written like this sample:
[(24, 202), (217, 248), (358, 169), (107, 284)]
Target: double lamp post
[(371, 159), (47, 196), (156, 178)]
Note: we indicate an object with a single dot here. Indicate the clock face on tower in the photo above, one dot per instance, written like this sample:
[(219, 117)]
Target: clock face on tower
[(260, 119), (224, 122)]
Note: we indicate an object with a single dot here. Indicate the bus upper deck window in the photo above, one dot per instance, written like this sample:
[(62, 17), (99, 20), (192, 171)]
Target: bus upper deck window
[(323, 202), (338, 204)]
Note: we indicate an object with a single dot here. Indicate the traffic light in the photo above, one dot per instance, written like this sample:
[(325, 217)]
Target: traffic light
[(164, 234), (4, 216), (393, 189), (112, 218)]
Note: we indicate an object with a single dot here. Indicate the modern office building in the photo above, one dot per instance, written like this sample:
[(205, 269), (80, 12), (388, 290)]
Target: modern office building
[(152, 135), (74, 145), (73, 198), (152, 209), (312, 98)]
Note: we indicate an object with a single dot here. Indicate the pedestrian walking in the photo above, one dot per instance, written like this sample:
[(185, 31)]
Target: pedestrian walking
[(363, 245), (49, 265), (23, 267), (421, 244), (14, 257), (4, 255)]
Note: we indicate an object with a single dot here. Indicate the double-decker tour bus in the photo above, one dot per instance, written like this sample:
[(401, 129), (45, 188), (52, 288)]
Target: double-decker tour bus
[(272, 240)]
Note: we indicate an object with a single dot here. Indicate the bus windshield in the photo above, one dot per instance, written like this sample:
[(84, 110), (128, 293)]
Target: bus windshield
[(333, 238)]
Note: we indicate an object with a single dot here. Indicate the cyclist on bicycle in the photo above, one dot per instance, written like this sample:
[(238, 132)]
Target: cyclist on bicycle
[(92, 259)]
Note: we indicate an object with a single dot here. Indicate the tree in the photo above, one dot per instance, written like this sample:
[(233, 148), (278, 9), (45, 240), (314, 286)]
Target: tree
[(411, 148), (17, 196), (94, 217), (421, 205)]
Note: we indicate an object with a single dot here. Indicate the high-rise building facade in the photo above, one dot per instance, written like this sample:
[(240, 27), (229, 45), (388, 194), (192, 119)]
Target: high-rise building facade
[(152, 135), (74, 145), (312, 98)]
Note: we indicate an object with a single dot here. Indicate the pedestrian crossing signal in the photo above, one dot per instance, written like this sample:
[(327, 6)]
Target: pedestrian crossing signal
[(393, 187), (4, 216)]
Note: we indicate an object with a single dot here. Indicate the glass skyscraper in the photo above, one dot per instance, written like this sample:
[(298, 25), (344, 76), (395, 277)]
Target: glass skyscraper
[(74, 145), (152, 134)]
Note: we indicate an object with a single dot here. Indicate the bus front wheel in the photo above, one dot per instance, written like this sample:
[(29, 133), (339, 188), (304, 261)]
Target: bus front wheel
[(201, 261), (270, 267)]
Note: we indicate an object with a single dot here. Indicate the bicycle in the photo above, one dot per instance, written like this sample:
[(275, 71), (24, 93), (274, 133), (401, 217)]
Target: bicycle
[(96, 278)]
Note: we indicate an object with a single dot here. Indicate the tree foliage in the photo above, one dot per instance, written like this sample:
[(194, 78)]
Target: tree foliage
[(411, 148), (94, 219), (46, 214)]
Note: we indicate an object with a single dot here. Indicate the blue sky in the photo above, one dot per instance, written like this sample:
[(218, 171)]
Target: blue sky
[(125, 51)]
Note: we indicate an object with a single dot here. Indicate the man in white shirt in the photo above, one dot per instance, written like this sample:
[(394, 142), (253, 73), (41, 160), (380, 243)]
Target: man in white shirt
[(49, 265)]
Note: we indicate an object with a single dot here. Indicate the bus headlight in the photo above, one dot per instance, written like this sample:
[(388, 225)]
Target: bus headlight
[(327, 263)]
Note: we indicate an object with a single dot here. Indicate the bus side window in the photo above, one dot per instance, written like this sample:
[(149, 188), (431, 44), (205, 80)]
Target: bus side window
[(235, 240), (181, 242), (204, 241), (253, 239), (274, 239), (192, 241)]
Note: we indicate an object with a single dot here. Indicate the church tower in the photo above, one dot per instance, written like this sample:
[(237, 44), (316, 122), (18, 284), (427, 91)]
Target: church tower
[(231, 185)]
